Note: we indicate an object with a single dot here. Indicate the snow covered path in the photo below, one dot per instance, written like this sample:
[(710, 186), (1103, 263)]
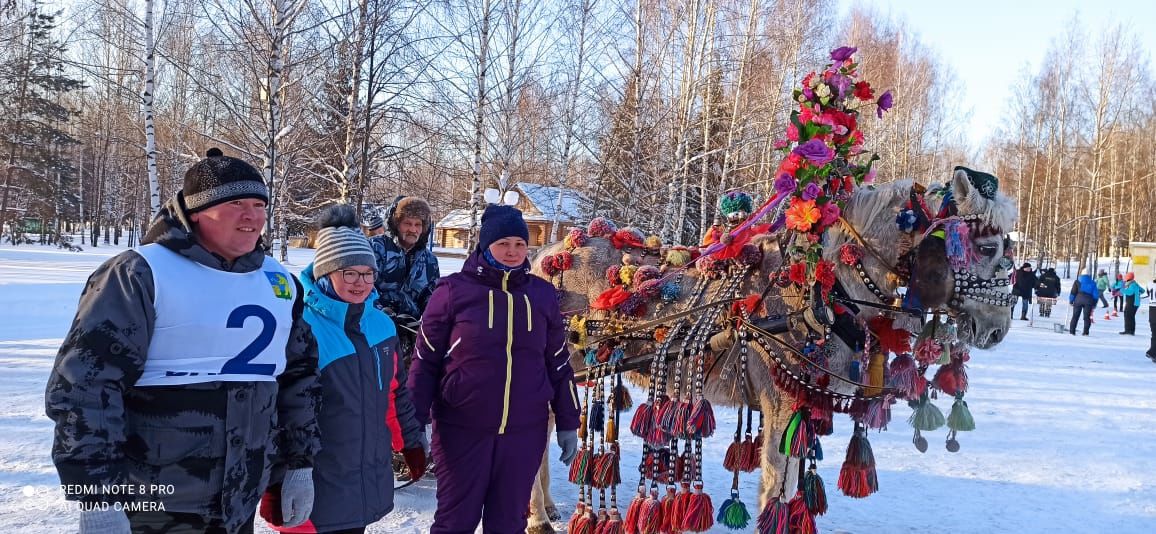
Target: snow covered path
[(1065, 439)]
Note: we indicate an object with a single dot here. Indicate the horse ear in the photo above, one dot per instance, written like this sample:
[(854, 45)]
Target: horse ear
[(960, 185)]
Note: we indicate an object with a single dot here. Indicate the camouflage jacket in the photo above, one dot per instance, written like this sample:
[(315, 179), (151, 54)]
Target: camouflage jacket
[(216, 443), (405, 280)]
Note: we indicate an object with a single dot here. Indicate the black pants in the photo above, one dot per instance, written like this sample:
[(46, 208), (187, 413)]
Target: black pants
[(181, 523), (1118, 303), (1130, 309), (1152, 323), (1086, 311)]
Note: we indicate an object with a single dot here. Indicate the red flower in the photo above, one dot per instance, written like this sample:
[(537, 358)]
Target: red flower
[(863, 91), (850, 253), (791, 164), (792, 132), (798, 273), (825, 274)]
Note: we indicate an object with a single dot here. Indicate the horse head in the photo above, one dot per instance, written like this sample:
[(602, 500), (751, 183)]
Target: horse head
[(956, 263)]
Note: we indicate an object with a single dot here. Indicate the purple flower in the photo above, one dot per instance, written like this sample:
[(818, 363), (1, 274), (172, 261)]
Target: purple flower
[(885, 102), (840, 83), (843, 53), (816, 151), (869, 178), (812, 191), (785, 184)]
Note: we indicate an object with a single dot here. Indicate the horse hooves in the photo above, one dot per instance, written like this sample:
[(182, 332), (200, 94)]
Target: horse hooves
[(553, 514), (541, 528)]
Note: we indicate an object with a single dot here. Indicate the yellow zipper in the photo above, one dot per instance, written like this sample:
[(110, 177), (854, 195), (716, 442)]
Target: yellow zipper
[(491, 322), (509, 349), (529, 315)]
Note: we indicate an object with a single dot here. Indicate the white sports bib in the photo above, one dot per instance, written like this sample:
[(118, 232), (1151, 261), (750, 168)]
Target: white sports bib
[(214, 325)]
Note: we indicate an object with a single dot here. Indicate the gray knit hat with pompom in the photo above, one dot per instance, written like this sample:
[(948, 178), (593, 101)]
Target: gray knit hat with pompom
[(340, 243)]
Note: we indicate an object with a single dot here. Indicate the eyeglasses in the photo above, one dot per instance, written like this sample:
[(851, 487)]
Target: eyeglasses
[(350, 276)]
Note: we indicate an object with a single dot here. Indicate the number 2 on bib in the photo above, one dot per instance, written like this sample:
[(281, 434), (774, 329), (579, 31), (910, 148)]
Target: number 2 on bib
[(239, 364)]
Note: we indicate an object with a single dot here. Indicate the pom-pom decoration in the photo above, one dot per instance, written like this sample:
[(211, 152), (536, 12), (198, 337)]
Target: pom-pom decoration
[(601, 227)]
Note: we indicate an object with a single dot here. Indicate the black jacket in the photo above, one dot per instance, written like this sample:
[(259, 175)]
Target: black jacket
[(1025, 283)]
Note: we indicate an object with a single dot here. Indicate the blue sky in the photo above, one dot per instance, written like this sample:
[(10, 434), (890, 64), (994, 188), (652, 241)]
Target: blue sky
[(988, 42)]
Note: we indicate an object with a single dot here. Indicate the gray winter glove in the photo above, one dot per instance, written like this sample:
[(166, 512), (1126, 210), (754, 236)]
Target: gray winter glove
[(297, 496), (568, 441), (103, 522)]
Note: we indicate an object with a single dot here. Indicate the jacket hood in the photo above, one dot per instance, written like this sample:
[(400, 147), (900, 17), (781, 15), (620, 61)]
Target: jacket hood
[(172, 229), (391, 224), (1085, 278), (478, 268)]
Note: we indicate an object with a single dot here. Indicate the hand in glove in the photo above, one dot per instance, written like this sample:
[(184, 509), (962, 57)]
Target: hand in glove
[(415, 461), (297, 496), (568, 441), (103, 522)]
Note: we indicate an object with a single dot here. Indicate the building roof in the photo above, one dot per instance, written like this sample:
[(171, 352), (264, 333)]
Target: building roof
[(542, 198)]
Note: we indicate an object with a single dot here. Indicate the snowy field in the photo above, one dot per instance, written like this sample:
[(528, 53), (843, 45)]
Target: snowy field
[(1065, 438)]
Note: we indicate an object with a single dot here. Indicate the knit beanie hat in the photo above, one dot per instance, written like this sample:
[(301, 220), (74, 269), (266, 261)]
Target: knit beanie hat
[(1130, 276), (218, 179), (372, 221), (340, 244), (500, 222)]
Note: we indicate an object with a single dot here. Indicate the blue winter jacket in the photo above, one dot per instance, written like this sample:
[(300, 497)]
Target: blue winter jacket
[(405, 279), (362, 388), (1133, 291), (1087, 287)]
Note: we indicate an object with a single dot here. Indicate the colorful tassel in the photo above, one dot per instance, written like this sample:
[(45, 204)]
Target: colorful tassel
[(749, 459), (643, 421), (800, 519), (634, 512), (903, 377), (606, 470), (671, 516), (621, 400), (582, 522), (875, 368), (598, 415), (926, 415), (796, 439), (814, 494), (857, 478), (878, 413), (960, 418), (698, 516), (733, 459), (612, 524), (700, 419), (733, 513), (816, 453), (650, 518), (582, 469), (775, 518)]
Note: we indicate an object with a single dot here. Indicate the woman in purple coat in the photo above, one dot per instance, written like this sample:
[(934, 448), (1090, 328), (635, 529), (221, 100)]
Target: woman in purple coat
[(490, 364)]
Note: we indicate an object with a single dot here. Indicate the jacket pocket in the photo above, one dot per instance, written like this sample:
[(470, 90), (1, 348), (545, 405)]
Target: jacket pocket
[(467, 384), (165, 446)]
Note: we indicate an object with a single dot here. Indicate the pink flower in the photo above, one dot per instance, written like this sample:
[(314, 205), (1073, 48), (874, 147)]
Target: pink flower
[(829, 213)]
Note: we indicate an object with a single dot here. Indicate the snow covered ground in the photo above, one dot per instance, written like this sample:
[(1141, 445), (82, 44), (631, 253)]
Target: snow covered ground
[(1065, 439)]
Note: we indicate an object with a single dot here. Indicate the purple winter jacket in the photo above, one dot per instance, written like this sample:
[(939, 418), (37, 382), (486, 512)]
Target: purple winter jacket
[(491, 353)]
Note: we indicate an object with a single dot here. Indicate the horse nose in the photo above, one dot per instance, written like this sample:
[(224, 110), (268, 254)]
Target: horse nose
[(996, 337)]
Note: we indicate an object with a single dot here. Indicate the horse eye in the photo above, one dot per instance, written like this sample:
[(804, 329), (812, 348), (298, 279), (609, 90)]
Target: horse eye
[(988, 250)]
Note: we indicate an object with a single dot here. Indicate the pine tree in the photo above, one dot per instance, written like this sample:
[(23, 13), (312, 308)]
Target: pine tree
[(33, 123)]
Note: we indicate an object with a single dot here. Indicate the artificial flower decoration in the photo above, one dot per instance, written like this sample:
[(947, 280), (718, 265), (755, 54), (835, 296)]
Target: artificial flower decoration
[(824, 159), (802, 215)]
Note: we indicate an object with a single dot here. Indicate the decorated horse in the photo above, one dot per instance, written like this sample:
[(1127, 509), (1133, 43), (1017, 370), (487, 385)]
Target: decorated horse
[(839, 298)]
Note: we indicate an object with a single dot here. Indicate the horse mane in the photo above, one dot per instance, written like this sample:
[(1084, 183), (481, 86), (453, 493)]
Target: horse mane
[(871, 210)]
